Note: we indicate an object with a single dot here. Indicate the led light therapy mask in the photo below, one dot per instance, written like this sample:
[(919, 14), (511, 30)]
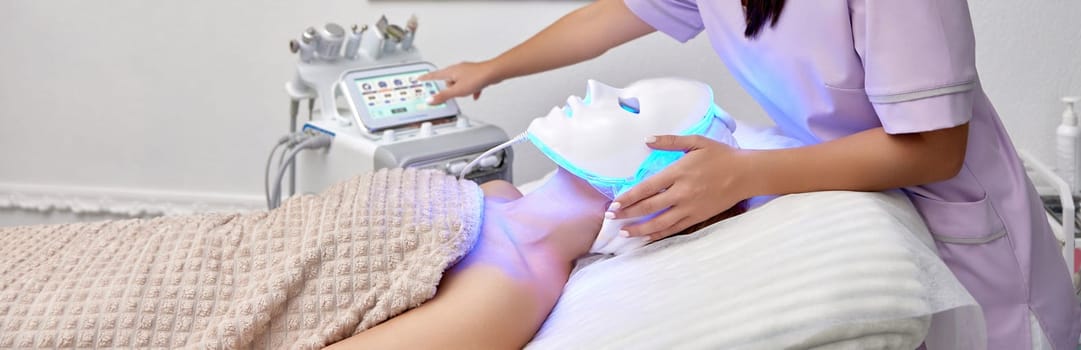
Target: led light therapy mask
[(601, 138)]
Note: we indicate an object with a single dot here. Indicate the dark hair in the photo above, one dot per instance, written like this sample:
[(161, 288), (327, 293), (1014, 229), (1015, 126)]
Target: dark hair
[(758, 12)]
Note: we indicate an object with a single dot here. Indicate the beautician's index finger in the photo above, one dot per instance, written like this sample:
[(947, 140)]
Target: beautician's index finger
[(438, 98), (436, 75)]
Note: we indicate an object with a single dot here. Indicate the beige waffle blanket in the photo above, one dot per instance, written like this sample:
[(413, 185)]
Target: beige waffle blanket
[(315, 271)]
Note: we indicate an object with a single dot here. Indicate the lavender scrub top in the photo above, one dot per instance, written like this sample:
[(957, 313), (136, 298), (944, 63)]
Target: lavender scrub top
[(831, 68)]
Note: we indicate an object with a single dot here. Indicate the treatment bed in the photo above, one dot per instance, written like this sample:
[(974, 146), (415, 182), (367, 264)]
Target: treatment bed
[(830, 270)]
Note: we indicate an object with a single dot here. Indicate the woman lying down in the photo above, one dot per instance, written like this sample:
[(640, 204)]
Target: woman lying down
[(355, 266), (501, 292)]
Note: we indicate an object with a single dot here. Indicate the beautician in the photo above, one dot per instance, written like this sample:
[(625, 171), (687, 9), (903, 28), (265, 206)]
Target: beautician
[(884, 93)]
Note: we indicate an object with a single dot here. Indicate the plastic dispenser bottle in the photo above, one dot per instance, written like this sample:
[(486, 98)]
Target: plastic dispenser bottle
[(1068, 135)]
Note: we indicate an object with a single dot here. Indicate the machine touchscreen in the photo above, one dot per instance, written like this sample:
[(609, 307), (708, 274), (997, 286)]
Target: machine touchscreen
[(388, 97)]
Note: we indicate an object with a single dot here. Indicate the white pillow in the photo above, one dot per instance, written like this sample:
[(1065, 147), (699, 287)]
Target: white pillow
[(840, 268)]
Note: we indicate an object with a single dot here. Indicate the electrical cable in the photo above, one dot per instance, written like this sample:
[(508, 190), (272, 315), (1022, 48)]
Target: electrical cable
[(295, 138), (469, 167), (288, 147), (317, 142), (288, 141), (266, 170)]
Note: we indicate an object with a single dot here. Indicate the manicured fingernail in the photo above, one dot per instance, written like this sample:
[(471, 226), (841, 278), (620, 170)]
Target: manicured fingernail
[(429, 100), (614, 206), (651, 139), (624, 233), (609, 215)]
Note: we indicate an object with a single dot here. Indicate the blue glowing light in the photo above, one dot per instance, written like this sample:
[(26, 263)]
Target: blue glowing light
[(656, 161), (630, 105)]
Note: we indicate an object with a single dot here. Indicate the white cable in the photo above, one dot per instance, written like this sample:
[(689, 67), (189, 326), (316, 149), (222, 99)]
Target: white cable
[(297, 139), (266, 170), (283, 165), (469, 167), (286, 143), (289, 141), (316, 142)]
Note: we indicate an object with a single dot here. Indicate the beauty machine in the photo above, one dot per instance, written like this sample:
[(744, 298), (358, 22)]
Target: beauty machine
[(368, 111)]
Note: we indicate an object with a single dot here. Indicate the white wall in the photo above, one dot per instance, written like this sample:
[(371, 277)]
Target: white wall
[(186, 96), (1029, 56)]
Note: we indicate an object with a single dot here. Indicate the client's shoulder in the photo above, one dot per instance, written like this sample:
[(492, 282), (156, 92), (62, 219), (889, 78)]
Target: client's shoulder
[(500, 190)]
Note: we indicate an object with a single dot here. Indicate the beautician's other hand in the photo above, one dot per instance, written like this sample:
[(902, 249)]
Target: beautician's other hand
[(706, 181), (466, 78)]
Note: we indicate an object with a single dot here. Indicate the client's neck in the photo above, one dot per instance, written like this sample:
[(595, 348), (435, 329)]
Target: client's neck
[(564, 214)]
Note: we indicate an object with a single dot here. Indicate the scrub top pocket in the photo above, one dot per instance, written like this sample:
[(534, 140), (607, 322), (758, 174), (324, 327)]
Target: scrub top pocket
[(969, 223), (973, 241)]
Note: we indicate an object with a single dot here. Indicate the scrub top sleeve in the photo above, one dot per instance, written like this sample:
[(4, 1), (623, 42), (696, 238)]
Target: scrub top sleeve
[(677, 18), (919, 62)]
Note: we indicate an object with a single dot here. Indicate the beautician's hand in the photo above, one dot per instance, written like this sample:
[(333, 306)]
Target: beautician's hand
[(466, 78), (706, 181)]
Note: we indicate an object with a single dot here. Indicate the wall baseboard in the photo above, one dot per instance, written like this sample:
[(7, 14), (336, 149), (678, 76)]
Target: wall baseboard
[(124, 202)]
